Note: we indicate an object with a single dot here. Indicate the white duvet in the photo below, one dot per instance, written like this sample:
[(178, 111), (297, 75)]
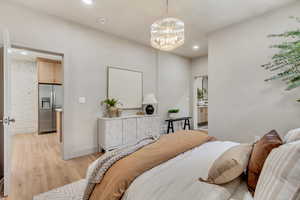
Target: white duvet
[(177, 179)]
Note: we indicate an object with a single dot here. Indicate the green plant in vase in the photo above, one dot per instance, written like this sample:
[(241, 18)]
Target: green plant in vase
[(287, 61), (201, 93), (173, 113), (111, 104)]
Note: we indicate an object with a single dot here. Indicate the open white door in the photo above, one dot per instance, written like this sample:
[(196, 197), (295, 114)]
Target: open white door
[(5, 112)]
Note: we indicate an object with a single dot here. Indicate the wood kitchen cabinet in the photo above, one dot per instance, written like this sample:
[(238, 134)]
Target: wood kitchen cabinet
[(49, 71), (202, 115), (59, 125)]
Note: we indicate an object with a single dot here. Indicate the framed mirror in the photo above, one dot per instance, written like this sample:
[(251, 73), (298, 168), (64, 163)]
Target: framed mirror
[(126, 86)]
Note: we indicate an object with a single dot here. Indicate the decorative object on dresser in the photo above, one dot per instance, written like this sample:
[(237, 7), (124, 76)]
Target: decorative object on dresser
[(173, 113), (150, 100), (114, 133), (112, 110)]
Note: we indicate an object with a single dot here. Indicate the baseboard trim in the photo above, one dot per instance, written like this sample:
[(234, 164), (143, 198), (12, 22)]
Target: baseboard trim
[(80, 153)]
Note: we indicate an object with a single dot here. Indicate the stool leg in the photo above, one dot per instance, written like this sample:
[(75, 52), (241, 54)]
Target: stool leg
[(189, 125), (184, 127), (169, 126), (172, 127)]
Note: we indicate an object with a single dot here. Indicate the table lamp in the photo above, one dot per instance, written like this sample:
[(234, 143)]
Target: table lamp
[(149, 100)]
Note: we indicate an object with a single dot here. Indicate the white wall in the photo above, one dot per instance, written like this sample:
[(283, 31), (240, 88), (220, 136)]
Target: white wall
[(241, 104), (200, 66), (24, 91), (87, 54), (173, 85)]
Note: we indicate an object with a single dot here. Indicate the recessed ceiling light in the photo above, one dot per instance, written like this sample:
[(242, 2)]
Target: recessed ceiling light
[(101, 20), (24, 53), (195, 47), (88, 2)]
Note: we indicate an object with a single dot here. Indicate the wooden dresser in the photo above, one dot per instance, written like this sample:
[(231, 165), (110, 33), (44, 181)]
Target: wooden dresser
[(114, 133)]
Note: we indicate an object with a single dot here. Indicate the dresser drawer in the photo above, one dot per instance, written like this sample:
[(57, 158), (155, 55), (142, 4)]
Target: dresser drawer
[(129, 131), (113, 136)]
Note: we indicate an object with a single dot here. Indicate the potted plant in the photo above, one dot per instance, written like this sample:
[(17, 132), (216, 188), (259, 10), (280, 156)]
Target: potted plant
[(112, 110), (285, 65), (173, 113), (201, 93)]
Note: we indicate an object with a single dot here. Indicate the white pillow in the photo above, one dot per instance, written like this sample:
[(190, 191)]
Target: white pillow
[(292, 135), (280, 177), (230, 165)]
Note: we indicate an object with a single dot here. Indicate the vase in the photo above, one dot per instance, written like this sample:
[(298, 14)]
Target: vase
[(119, 113), (173, 115), (112, 112)]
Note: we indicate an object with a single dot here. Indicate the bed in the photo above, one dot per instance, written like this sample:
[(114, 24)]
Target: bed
[(174, 179), (167, 169), (177, 179)]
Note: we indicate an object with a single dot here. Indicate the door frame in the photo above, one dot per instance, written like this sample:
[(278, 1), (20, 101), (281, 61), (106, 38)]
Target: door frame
[(195, 100), (62, 145)]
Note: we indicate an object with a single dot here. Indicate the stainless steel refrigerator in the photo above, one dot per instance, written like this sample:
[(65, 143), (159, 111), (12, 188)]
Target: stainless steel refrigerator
[(50, 99)]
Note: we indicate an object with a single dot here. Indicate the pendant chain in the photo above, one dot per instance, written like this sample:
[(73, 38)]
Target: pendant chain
[(167, 7)]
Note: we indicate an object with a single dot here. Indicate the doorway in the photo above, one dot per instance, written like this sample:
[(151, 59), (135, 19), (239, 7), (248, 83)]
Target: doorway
[(37, 94), (200, 109)]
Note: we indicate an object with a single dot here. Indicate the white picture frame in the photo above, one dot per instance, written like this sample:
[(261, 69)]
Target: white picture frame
[(126, 86)]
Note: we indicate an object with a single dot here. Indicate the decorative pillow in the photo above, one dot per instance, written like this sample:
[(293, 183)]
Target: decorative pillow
[(280, 177), (230, 165), (259, 154), (292, 135)]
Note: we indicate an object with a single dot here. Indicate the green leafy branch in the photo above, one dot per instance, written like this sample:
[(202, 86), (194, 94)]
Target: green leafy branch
[(287, 61)]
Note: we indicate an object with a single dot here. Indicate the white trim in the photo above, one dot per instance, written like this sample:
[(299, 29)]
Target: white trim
[(80, 153)]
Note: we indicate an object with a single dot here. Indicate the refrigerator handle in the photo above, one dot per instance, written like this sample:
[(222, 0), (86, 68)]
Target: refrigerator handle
[(51, 99), (54, 98)]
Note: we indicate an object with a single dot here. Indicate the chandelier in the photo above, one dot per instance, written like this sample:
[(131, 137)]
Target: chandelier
[(167, 34)]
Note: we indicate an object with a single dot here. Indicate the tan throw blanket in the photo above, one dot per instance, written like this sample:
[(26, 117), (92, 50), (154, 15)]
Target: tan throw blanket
[(99, 167), (119, 177)]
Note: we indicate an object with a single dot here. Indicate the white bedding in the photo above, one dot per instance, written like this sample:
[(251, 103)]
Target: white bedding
[(177, 179)]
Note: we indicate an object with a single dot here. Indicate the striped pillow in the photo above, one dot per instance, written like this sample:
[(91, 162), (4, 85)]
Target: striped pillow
[(280, 177), (292, 135)]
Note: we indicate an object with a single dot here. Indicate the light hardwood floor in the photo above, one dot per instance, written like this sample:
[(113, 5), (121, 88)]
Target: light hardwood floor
[(37, 166)]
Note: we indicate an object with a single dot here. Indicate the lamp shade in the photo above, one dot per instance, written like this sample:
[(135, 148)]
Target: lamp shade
[(149, 99)]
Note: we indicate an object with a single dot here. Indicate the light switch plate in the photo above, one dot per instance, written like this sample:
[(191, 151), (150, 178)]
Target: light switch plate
[(82, 100)]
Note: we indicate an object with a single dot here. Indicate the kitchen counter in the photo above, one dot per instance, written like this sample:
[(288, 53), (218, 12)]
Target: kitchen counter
[(59, 110), (59, 132), (202, 106)]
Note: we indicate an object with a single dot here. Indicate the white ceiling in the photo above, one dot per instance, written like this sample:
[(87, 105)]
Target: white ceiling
[(131, 19)]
